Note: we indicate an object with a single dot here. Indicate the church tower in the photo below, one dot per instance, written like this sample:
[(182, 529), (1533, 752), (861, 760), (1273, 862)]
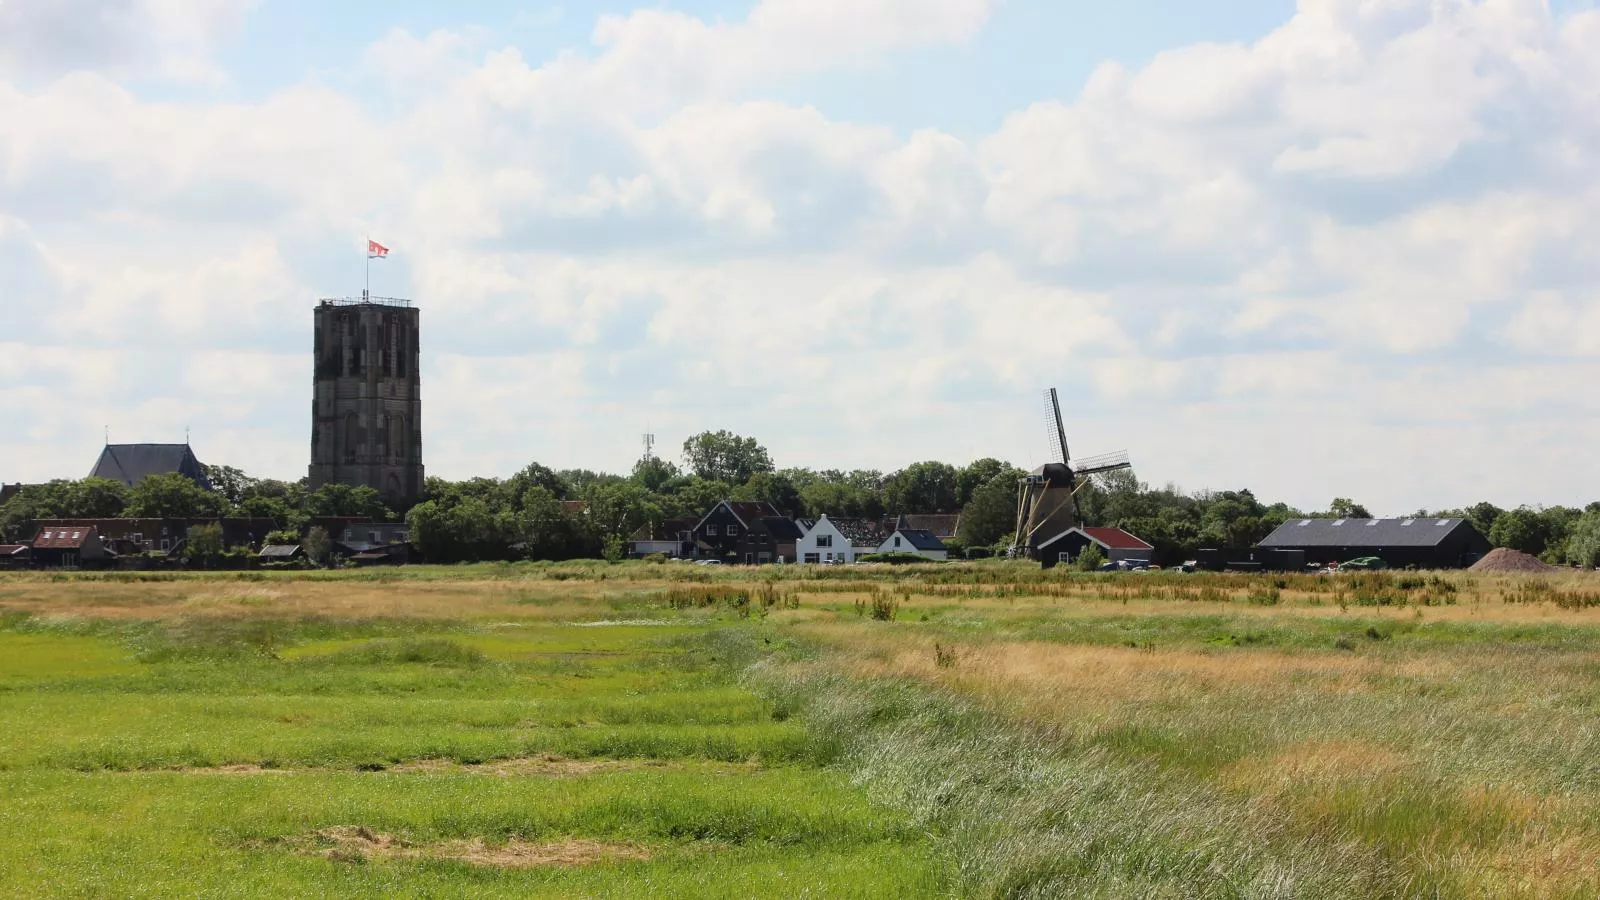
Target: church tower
[(366, 425)]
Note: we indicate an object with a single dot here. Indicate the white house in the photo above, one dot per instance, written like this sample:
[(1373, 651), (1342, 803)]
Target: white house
[(837, 540), (912, 540)]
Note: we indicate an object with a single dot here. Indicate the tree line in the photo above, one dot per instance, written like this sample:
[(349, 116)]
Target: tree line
[(531, 514)]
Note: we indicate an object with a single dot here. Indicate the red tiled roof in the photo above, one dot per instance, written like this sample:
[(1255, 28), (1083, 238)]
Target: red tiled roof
[(67, 537), (1117, 539)]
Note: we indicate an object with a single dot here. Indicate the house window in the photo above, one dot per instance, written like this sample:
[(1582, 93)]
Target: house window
[(813, 558), (711, 531), (1064, 557), (138, 537), (825, 540), (733, 531), (830, 557), (166, 544), (764, 558), (897, 540), (749, 559)]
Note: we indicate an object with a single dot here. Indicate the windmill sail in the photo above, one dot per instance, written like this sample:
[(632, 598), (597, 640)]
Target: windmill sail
[(1108, 462), (1058, 434)]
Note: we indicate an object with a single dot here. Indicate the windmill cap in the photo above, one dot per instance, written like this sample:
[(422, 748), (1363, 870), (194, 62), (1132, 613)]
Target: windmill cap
[(1054, 471)]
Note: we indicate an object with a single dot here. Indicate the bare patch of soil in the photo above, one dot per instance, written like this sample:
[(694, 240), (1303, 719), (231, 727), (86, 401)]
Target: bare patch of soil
[(1504, 559), (355, 843), (548, 766)]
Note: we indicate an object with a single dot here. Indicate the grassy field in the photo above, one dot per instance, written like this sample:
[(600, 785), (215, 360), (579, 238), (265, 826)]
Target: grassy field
[(637, 730)]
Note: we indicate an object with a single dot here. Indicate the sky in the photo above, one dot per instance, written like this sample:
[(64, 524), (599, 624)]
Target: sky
[(1339, 248)]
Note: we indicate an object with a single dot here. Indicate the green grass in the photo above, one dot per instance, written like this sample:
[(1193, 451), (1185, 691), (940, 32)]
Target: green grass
[(116, 741), (1005, 733)]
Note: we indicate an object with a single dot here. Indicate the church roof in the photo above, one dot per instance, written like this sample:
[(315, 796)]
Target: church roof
[(131, 463)]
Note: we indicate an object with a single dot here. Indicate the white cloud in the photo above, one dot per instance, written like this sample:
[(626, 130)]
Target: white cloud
[(1370, 230), (174, 39)]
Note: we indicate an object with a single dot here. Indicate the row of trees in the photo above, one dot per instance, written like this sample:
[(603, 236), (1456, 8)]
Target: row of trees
[(292, 505), (531, 515)]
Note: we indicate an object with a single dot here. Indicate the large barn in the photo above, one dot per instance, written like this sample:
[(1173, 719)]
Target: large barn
[(1424, 543)]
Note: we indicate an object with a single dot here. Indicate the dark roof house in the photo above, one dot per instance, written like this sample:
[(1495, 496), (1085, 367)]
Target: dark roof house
[(131, 463), (1422, 542), (1116, 544), (66, 547)]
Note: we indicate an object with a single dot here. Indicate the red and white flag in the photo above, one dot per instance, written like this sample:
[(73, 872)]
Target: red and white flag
[(376, 250)]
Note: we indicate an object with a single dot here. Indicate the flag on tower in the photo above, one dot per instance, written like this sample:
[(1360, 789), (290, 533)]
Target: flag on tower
[(376, 250)]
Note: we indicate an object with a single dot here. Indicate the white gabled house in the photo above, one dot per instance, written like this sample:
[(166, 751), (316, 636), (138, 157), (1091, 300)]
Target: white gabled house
[(916, 541), (837, 540)]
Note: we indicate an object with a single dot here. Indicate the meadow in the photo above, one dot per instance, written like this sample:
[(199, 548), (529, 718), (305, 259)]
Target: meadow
[(648, 730)]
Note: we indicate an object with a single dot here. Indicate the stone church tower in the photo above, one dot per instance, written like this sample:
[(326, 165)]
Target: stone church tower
[(366, 426)]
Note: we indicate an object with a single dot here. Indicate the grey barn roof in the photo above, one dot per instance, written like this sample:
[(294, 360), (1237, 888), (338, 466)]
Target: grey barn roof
[(131, 463), (1414, 532)]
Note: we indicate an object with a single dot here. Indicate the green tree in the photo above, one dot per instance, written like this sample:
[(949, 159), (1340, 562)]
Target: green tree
[(283, 537), (1521, 529), (619, 509), (652, 473), (991, 513), (772, 487), (231, 483), (579, 480), (1345, 508), (725, 456), (172, 496), (203, 544), (1090, 559), (347, 500), (317, 545), (693, 496), (924, 487), (977, 474), (1583, 540)]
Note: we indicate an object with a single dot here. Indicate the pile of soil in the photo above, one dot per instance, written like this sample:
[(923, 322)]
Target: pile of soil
[(1502, 559)]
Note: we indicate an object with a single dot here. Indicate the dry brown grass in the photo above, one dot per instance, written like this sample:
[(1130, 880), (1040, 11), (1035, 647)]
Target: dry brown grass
[(1052, 680), (355, 843), (418, 599)]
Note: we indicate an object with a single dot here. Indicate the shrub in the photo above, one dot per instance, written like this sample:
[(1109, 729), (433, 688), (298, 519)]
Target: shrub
[(1090, 559), (895, 559)]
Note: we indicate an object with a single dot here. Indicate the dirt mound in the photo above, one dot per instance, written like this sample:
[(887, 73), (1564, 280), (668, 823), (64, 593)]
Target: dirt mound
[(359, 844), (1503, 559)]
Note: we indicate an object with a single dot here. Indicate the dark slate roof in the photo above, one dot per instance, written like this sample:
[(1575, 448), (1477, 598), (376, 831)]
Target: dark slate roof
[(1374, 533), (130, 463), (750, 510), (781, 529), (13, 549), (922, 540)]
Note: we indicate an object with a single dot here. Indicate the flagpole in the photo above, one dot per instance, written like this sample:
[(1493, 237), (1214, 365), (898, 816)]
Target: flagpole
[(366, 291)]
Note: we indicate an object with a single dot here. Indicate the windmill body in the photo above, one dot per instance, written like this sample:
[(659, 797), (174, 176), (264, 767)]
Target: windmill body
[(1046, 497)]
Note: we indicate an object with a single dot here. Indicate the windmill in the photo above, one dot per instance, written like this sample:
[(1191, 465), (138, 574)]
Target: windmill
[(1045, 496)]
